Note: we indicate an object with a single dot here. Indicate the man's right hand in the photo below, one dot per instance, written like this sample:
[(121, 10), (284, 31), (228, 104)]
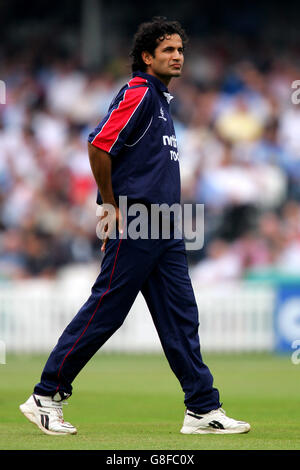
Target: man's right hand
[(110, 221)]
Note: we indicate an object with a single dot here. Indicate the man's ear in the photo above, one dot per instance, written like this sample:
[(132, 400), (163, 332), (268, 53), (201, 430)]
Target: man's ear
[(147, 57)]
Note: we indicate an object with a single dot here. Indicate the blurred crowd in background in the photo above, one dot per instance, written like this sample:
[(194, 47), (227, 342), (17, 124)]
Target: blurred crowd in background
[(238, 134)]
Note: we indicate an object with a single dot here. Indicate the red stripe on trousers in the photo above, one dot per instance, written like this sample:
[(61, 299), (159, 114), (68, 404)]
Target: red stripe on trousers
[(96, 309)]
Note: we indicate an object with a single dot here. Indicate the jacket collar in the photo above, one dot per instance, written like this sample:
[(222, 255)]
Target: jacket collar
[(156, 82)]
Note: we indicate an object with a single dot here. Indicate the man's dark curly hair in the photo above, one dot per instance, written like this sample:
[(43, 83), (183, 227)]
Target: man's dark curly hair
[(148, 36)]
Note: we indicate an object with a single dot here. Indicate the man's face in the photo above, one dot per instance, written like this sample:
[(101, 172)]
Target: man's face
[(168, 58)]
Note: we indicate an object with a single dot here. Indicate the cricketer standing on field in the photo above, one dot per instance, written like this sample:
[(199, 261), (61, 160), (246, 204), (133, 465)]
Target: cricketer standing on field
[(133, 153)]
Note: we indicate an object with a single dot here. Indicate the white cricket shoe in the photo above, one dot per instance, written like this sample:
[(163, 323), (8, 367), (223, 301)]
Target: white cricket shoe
[(214, 422), (47, 414)]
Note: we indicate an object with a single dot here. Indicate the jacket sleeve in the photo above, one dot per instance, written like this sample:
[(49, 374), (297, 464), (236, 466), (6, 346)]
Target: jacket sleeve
[(121, 120)]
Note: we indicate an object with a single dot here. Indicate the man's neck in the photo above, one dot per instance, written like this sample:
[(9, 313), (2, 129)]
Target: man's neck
[(165, 80)]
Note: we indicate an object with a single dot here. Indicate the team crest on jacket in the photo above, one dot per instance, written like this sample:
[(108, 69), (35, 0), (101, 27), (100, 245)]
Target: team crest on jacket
[(162, 114)]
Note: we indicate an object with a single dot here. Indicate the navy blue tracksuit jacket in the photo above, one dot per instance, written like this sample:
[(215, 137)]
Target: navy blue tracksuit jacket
[(139, 135)]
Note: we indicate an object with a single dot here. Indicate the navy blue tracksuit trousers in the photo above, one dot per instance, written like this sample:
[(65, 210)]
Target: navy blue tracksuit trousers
[(157, 268)]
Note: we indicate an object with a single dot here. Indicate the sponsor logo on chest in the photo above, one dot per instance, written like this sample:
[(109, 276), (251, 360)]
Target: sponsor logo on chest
[(170, 140)]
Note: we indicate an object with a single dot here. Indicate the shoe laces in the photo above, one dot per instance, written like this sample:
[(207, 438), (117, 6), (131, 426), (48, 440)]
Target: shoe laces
[(222, 416), (57, 408), (217, 410)]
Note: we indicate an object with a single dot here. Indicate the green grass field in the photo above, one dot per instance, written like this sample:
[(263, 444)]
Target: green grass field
[(131, 402)]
